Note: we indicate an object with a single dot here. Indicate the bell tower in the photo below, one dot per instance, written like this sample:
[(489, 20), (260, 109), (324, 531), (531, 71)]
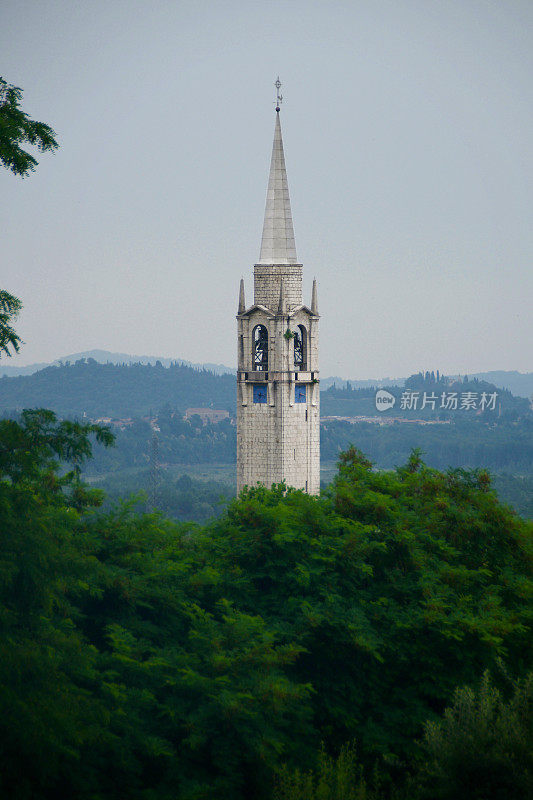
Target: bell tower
[(278, 405)]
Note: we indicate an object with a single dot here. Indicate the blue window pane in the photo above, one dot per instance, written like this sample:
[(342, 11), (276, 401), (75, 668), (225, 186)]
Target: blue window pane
[(260, 394), (300, 395)]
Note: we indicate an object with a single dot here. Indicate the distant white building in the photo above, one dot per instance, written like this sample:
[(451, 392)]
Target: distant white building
[(213, 415)]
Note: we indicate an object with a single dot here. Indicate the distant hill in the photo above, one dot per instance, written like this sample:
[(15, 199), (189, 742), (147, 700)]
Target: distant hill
[(14, 372), (518, 383), (105, 357), (117, 390), (132, 390)]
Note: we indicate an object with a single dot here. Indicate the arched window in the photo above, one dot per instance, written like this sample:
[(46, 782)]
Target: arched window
[(300, 348), (260, 349)]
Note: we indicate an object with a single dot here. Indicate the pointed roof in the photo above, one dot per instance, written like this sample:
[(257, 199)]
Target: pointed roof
[(314, 300), (277, 244), (242, 303)]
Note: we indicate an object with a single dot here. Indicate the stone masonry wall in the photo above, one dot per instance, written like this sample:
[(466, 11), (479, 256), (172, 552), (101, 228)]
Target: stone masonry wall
[(267, 280)]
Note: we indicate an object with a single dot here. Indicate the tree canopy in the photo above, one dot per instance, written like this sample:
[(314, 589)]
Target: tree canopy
[(141, 658)]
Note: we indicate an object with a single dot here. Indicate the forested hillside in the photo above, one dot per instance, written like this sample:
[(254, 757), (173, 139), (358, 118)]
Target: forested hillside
[(179, 442), (117, 390), (505, 446)]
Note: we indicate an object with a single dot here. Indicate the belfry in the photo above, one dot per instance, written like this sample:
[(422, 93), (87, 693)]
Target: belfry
[(278, 404)]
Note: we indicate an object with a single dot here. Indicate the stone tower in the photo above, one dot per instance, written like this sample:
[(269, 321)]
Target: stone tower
[(278, 407)]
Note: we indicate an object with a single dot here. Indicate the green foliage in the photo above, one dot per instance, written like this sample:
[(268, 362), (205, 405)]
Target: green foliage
[(448, 603), (47, 710), (335, 779), (204, 705), (398, 586), (180, 442), (483, 746), (183, 498), (9, 310), (17, 129), (140, 658), (115, 681), (39, 442)]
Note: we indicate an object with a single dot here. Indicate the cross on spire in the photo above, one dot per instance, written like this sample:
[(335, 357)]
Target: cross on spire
[(279, 97)]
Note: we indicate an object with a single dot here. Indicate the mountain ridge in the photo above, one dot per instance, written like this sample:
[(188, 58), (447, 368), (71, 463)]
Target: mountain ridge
[(519, 383), (107, 356)]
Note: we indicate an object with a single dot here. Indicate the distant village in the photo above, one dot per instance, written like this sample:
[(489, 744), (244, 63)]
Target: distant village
[(215, 415), (207, 415)]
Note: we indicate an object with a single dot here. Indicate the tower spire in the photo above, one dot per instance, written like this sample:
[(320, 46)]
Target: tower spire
[(277, 243)]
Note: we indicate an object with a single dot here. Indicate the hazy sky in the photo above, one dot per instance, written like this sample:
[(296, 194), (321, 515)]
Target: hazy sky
[(408, 132)]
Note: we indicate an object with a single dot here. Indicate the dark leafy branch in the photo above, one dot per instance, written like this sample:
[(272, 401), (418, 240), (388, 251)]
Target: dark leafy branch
[(17, 129)]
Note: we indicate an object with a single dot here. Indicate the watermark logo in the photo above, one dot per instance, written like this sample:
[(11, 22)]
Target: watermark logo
[(448, 401), (384, 400)]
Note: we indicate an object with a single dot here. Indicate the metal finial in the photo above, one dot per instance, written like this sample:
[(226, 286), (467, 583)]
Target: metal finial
[(279, 97)]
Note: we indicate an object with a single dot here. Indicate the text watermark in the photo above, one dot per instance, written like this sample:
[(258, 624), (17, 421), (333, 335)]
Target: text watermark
[(447, 401)]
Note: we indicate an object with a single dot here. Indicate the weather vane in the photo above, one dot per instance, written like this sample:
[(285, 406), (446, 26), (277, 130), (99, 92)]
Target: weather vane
[(279, 97)]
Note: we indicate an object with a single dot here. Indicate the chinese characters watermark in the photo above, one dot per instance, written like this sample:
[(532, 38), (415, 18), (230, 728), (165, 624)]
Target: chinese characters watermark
[(448, 401)]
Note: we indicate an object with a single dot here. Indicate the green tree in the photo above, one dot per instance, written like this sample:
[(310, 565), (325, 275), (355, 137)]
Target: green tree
[(482, 747), (398, 586), (47, 709), (334, 779), (17, 129), (9, 310)]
